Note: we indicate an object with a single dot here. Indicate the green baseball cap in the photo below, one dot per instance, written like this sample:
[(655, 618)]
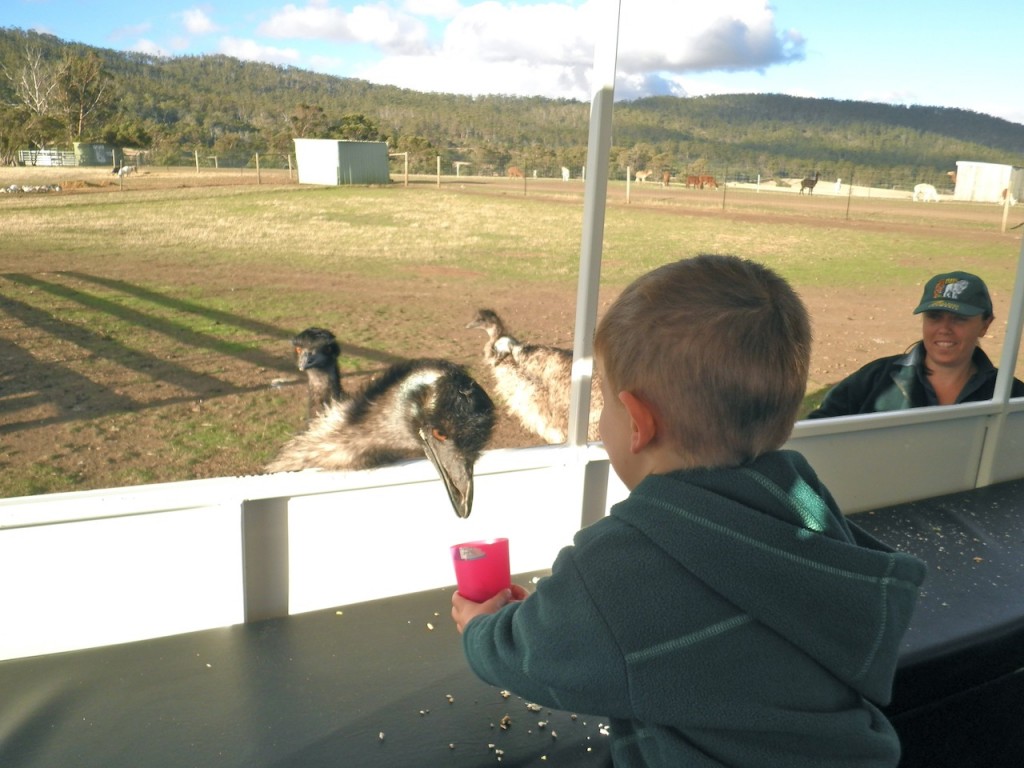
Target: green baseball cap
[(958, 292)]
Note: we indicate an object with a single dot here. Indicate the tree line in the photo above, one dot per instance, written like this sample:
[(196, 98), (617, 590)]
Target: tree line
[(54, 93)]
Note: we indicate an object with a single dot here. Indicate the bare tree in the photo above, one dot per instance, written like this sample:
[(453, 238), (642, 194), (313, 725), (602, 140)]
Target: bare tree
[(34, 84), (82, 90)]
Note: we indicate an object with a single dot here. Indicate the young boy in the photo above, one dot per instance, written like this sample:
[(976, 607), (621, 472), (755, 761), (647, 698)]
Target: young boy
[(725, 613)]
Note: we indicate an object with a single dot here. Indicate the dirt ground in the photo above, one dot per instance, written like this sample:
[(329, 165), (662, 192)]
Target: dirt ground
[(847, 334)]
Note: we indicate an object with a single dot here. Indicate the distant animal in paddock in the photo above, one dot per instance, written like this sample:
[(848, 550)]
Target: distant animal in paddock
[(515, 173), (124, 170), (316, 354), (1004, 193), (925, 193), (693, 181), (565, 173), (642, 176), (952, 177), (414, 408), (533, 381), (708, 181), (809, 184), (666, 177)]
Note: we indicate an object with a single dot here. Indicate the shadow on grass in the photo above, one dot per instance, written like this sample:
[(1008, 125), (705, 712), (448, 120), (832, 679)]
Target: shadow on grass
[(36, 377)]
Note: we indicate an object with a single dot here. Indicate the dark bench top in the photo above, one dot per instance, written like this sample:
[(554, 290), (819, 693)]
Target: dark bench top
[(369, 684)]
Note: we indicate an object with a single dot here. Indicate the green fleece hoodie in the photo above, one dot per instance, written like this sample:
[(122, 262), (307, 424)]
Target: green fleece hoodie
[(727, 617)]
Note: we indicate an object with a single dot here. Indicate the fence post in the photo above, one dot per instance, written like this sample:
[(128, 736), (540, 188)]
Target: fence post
[(265, 558)]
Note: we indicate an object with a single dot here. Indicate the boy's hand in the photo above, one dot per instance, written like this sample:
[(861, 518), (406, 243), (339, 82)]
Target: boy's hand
[(465, 610)]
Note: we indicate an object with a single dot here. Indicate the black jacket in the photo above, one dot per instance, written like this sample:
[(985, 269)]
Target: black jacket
[(899, 382)]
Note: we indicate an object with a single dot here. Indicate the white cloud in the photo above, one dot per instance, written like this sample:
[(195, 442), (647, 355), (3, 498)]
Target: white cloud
[(548, 48), (434, 9), (379, 25), (383, 27), (252, 51), (144, 45), (544, 48), (315, 21), (197, 22)]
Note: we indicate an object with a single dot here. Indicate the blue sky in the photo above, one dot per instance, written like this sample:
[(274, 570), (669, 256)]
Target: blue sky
[(891, 51)]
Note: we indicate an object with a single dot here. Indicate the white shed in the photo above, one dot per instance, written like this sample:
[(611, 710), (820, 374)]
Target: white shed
[(333, 162), (985, 182)]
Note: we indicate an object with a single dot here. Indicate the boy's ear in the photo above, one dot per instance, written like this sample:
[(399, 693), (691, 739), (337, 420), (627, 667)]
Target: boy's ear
[(643, 427)]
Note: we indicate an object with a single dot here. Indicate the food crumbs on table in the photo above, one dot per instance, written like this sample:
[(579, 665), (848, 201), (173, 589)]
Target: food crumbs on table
[(542, 724), (424, 712), (554, 734), (572, 717), (380, 736), (506, 722), (534, 707), (451, 746), (430, 626), (339, 613), (451, 699), (603, 729), (505, 694)]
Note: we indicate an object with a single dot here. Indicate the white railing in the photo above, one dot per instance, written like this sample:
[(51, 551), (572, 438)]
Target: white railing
[(102, 567)]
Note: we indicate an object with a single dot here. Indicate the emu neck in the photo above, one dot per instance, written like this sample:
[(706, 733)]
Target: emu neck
[(324, 388)]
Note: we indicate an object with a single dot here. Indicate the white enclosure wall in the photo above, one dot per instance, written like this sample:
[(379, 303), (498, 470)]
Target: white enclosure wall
[(332, 162), (985, 182)]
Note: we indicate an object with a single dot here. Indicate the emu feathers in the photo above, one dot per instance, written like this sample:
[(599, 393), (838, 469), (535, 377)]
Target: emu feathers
[(414, 408), (533, 381)]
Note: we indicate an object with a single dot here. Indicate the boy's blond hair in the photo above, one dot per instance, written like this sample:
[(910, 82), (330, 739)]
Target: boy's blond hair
[(719, 347)]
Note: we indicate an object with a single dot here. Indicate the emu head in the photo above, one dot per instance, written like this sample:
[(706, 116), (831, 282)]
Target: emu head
[(453, 418), (316, 348)]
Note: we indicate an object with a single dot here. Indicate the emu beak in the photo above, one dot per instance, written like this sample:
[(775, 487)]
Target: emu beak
[(303, 359), (456, 470)]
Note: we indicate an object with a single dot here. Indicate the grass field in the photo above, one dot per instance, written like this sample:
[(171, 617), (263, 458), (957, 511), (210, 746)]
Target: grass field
[(144, 325)]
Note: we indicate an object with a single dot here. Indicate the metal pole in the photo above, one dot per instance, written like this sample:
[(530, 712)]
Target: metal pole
[(1004, 379), (594, 199)]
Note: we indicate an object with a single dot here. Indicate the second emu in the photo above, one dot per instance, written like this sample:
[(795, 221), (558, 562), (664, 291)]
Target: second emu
[(533, 381)]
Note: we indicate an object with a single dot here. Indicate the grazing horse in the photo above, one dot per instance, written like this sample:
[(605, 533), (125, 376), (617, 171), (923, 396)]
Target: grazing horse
[(808, 184), (925, 193), (565, 173), (515, 173), (693, 181), (666, 177), (708, 181), (642, 176)]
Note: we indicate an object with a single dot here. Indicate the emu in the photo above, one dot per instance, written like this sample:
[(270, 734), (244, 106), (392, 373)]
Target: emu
[(316, 354), (416, 408), (533, 381), (809, 184)]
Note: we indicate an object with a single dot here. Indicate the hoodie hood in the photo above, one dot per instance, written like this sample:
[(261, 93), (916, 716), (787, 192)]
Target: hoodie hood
[(808, 574)]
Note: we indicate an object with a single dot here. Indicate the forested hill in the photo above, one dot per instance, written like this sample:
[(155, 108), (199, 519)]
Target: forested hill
[(234, 109)]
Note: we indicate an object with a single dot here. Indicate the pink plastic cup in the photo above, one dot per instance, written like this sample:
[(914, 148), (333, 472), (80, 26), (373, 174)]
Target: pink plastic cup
[(481, 568)]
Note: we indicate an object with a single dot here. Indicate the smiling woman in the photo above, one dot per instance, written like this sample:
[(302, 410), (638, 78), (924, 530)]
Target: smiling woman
[(945, 368)]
